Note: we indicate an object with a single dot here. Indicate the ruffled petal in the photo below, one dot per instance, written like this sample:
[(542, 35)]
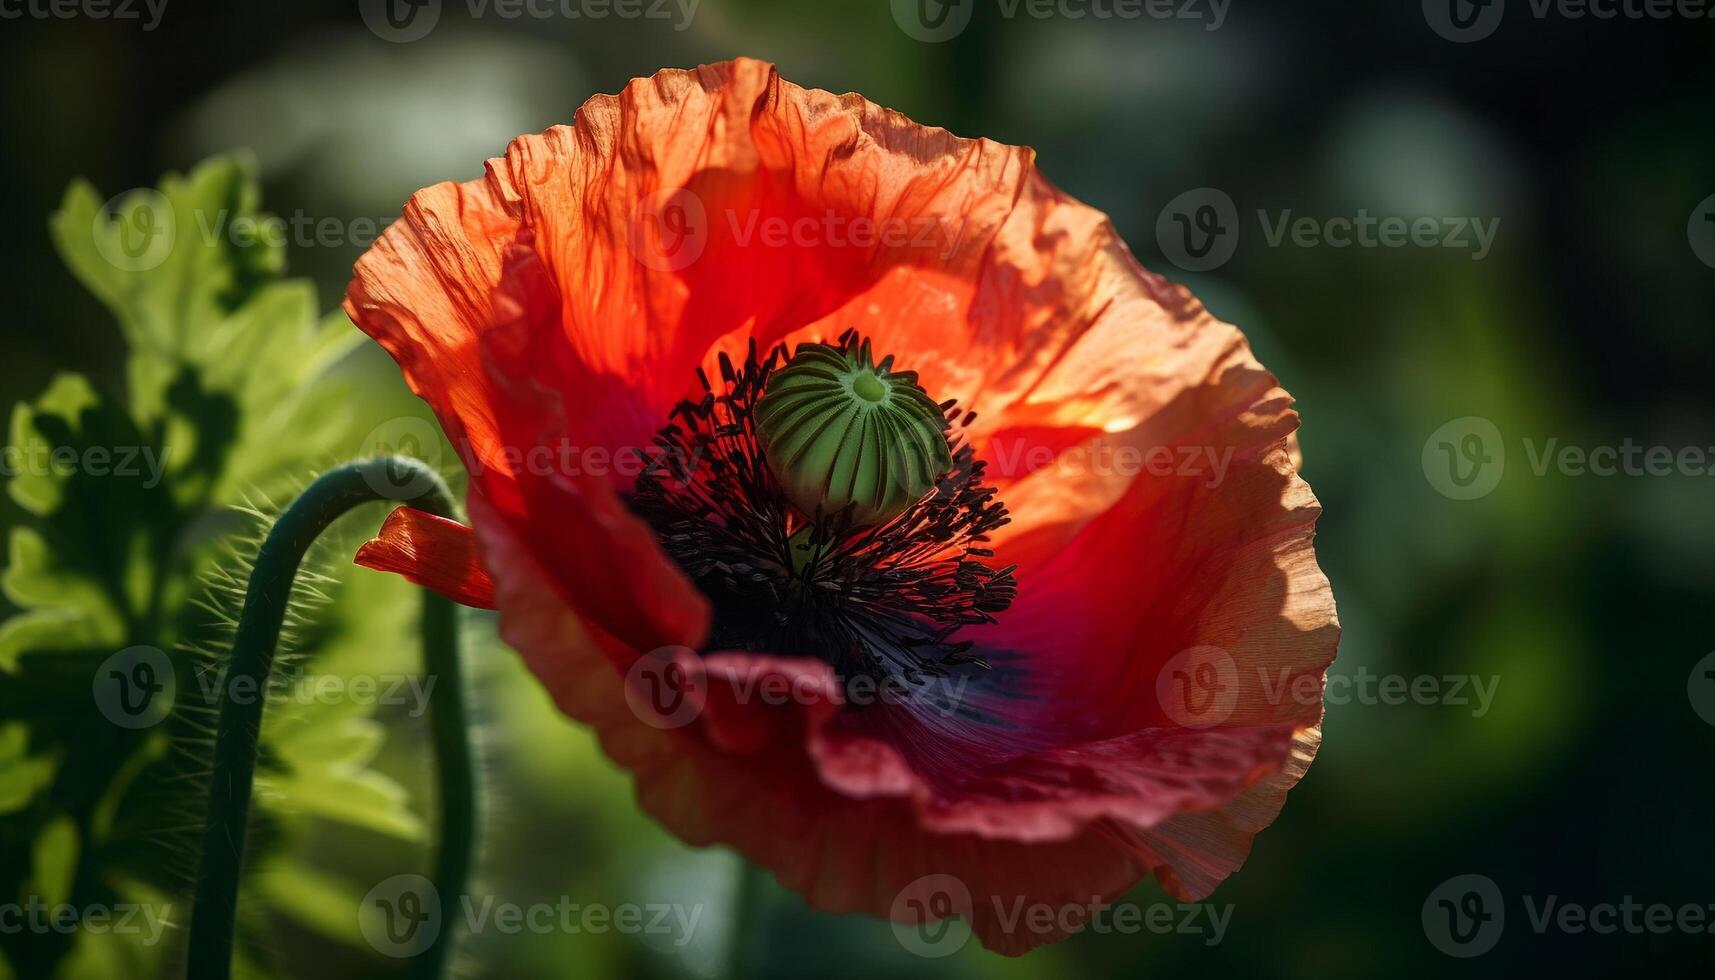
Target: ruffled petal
[(434, 552), (429, 292), (564, 304), (766, 768), (711, 785), (700, 210), (1220, 556), (426, 293)]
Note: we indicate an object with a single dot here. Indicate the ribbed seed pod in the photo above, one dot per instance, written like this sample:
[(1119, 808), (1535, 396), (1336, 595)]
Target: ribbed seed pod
[(837, 429)]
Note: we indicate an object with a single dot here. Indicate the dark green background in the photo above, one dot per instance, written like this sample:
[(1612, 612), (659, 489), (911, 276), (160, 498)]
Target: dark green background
[(1589, 322)]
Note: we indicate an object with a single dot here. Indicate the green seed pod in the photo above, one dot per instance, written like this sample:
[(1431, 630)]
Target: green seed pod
[(838, 429)]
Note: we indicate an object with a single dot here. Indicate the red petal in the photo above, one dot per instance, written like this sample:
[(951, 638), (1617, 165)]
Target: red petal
[(522, 308), (429, 292), (433, 552), (847, 823)]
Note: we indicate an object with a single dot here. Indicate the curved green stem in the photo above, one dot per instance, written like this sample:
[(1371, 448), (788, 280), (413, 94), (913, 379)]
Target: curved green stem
[(449, 722), (214, 915)]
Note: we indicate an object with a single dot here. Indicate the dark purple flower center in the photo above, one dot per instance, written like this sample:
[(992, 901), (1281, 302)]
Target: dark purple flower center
[(880, 599)]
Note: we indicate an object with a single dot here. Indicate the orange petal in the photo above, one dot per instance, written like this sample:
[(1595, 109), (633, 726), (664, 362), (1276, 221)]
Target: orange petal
[(430, 292), (433, 552), (425, 292), (771, 801), (537, 307)]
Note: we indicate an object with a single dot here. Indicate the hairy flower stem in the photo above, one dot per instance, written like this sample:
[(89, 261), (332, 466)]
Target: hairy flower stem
[(407, 481)]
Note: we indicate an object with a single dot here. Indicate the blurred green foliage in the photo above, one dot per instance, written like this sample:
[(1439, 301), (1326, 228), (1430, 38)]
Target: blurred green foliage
[(139, 545), (1589, 599)]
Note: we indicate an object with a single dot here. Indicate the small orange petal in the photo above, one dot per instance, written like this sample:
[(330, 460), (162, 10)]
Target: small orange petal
[(433, 552)]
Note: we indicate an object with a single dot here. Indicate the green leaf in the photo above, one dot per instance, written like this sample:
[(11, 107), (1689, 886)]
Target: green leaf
[(232, 395), (86, 572), (167, 264), (22, 775), (222, 351), (53, 862), (325, 751), (319, 901)]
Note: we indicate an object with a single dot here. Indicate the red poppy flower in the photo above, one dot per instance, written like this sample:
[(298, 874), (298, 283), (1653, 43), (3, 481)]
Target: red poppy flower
[(1094, 602)]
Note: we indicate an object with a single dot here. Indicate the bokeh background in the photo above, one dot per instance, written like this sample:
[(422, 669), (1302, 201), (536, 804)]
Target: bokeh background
[(1588, 599)]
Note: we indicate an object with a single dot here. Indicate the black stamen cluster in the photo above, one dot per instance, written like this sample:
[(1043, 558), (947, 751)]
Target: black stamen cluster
[(883, 600)]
